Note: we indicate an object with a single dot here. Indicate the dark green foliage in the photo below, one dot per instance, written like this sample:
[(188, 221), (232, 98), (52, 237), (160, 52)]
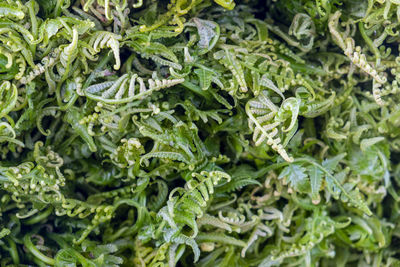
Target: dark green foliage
[(199, 133)]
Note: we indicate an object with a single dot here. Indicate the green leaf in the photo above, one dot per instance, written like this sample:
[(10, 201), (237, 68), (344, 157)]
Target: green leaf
[(331, 163), (205, 77), (296, 175), (316, 176)]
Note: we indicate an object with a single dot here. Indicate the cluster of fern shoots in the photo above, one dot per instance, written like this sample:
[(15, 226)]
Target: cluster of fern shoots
[(211, 133)]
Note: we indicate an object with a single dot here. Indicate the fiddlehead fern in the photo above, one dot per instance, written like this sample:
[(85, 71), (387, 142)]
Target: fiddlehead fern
[(270, 145), (127, 88), (183, 208), (262, 113), (101, 40)]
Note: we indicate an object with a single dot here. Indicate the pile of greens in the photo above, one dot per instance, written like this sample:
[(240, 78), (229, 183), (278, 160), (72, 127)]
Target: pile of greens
[(199, 133)]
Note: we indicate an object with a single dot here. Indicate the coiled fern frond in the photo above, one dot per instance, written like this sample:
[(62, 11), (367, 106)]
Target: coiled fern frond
[(127, 88), (103, 39), (187, 204), (262, 113)]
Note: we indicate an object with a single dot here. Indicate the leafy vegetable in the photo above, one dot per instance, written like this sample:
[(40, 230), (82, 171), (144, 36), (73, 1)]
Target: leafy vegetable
[(199, 132)]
